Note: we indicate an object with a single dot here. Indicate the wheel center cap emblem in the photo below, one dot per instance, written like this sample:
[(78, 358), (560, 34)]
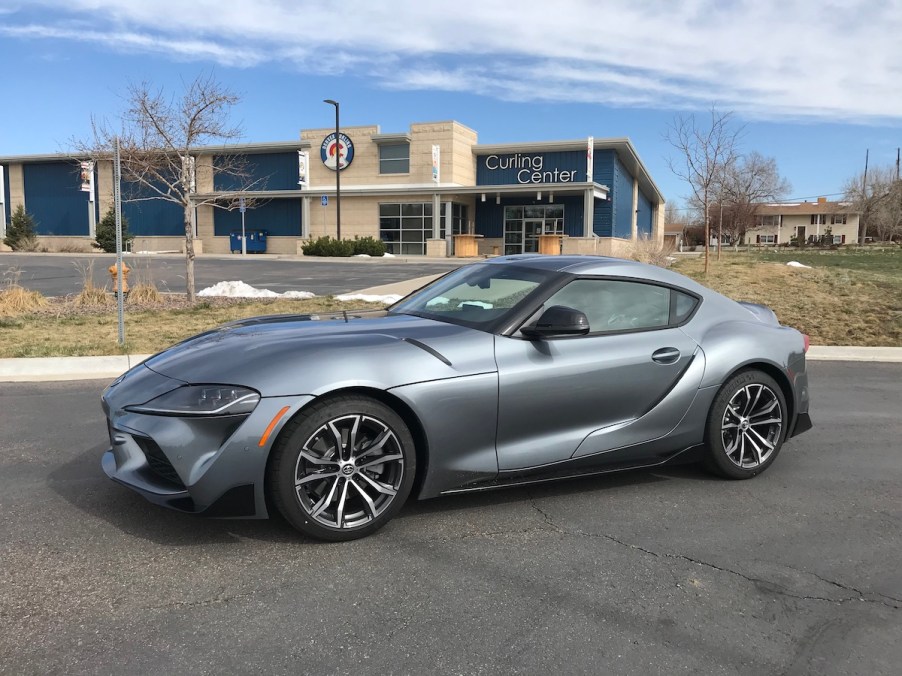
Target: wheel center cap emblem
[(743, 424), (348, 469)]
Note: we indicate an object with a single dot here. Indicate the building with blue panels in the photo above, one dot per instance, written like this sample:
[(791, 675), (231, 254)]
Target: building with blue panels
[(432, 190)]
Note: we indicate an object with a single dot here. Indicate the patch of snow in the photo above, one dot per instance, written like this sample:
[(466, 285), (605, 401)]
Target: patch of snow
[(367, 298), (438, 300), (148, 253), (241, 290), (362, 256), (388, 255), (796, 264)]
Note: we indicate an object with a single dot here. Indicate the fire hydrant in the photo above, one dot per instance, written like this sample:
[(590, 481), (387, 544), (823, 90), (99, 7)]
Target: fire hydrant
[(114, 273)]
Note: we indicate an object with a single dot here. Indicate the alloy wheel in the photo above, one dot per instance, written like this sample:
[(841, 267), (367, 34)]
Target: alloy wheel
[(349, 471), (751, 425)]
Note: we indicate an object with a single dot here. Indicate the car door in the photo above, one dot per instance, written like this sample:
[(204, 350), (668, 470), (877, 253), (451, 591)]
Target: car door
[(557, 394)]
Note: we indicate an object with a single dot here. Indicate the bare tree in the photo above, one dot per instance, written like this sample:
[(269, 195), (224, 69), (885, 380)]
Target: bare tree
[(878, 201), (750, 181), (159, 139), (704, 153)]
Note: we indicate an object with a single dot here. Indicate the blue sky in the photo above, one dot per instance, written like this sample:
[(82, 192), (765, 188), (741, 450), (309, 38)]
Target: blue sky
[(814, 83)]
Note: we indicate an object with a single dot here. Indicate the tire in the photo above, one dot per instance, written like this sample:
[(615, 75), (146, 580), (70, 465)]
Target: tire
[(746, 426), (340, 491)]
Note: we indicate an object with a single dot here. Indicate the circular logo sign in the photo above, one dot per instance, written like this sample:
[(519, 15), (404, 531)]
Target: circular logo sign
[(344, 150)]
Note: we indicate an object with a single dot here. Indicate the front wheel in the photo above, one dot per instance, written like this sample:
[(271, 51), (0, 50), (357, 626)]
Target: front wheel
[(343, 468), (746, 425)]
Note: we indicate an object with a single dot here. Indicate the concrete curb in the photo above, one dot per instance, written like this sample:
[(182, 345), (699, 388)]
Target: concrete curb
[(42, 369), (849, 353)]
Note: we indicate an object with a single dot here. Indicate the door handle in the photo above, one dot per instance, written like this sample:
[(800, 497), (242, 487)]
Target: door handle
[(666, 355)]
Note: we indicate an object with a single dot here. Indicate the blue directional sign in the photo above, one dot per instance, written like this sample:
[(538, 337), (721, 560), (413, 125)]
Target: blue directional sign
[(325, 200)]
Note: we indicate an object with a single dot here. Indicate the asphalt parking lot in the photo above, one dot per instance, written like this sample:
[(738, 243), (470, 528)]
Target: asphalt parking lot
[(59, 274), (669, 571)]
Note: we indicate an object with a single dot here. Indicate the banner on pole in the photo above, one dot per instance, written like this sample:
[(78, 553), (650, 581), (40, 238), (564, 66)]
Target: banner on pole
[(590, 159), (436, 162), (303, 164), (87, 177)]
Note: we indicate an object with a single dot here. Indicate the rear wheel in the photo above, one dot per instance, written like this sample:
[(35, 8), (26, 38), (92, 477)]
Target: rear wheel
[(746, 425), (343, 468)]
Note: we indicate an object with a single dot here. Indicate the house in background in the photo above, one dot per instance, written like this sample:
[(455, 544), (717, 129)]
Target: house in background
[(804, 222)]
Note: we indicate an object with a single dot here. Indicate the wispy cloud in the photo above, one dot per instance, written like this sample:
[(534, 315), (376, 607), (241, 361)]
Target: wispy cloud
[(765, 58)]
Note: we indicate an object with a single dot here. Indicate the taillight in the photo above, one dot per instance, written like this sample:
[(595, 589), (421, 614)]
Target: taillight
[(807, 341)]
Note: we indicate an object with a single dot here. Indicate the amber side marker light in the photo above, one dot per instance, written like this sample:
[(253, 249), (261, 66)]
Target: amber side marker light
[(272, 425)]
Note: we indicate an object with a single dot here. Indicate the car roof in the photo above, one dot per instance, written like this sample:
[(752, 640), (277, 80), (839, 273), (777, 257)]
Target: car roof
[(599, 265)]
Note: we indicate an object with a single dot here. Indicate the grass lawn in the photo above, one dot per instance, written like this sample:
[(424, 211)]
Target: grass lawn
[(845, 298)]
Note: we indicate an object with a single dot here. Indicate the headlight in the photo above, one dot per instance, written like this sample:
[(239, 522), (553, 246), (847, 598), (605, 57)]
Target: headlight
[(201, 400)]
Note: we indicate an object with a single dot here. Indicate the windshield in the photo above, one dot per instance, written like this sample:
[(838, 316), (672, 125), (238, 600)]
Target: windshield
[(476, 295)]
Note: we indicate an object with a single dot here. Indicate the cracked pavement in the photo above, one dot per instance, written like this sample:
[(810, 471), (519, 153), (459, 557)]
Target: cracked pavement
[(793, 572)]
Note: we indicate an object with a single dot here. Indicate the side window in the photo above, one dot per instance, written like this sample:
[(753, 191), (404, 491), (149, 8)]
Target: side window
[(612, 305), (684, 304)]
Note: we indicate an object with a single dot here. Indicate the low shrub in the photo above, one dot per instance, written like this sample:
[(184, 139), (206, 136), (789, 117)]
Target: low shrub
[(329, 246), (17, 300), (369, 246)]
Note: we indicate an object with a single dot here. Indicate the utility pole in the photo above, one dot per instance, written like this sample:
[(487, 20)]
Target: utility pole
[(862, 232)]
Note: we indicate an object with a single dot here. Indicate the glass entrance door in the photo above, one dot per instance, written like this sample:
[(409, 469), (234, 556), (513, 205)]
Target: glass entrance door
[(523, 225)]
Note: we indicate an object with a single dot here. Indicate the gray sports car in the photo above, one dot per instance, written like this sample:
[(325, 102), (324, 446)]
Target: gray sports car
[(514, 370)]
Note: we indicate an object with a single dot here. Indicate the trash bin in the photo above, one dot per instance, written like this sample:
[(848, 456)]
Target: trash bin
[(256, 241)]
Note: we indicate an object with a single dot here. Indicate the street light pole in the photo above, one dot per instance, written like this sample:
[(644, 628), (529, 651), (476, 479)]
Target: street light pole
[(337, 171)]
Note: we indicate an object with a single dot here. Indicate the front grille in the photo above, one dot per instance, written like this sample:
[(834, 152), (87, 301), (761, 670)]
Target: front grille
[(158, 462)]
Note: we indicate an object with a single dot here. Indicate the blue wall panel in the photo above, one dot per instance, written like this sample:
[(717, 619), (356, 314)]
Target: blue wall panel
[(644, 217), (603, 218), (490, 216), (603, 174), (280, 217), (274, 171), (623, 201), (603, 167), (518, 168), (53, 197), (152, 216)]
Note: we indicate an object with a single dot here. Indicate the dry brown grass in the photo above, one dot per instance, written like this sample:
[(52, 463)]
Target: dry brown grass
[(65, 329), (144, 294), (646, 250), (16, 300), (833, 305)]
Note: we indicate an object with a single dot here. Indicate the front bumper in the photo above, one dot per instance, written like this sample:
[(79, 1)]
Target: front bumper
[(208, 465)]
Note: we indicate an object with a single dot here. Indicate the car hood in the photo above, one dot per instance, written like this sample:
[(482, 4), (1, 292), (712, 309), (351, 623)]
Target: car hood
[(304, 354)]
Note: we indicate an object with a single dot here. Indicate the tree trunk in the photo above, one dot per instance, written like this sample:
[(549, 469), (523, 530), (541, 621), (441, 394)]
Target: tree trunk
[(189, 253)]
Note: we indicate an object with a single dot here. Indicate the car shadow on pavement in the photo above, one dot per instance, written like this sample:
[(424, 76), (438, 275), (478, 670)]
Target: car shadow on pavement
[(82, 483), (599, 484)]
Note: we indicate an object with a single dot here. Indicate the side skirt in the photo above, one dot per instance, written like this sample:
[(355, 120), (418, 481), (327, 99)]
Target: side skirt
[(573, 471)]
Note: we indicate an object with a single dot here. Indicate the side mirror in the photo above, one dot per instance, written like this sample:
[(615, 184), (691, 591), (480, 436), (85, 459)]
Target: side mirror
[(558, 320)]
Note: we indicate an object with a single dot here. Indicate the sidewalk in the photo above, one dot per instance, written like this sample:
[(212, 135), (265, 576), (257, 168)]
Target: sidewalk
[(42, 369)]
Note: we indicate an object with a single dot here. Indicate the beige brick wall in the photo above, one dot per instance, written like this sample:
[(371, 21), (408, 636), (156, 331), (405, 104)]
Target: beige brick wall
[(16, 180), (457, 164)]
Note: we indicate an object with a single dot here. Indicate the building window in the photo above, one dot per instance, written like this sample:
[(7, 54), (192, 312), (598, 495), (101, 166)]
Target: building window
[(839, 239), (405, 227), (394, 159), (818, 219), (838, 219), (767, 239), (458, 219), (767, 220)]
